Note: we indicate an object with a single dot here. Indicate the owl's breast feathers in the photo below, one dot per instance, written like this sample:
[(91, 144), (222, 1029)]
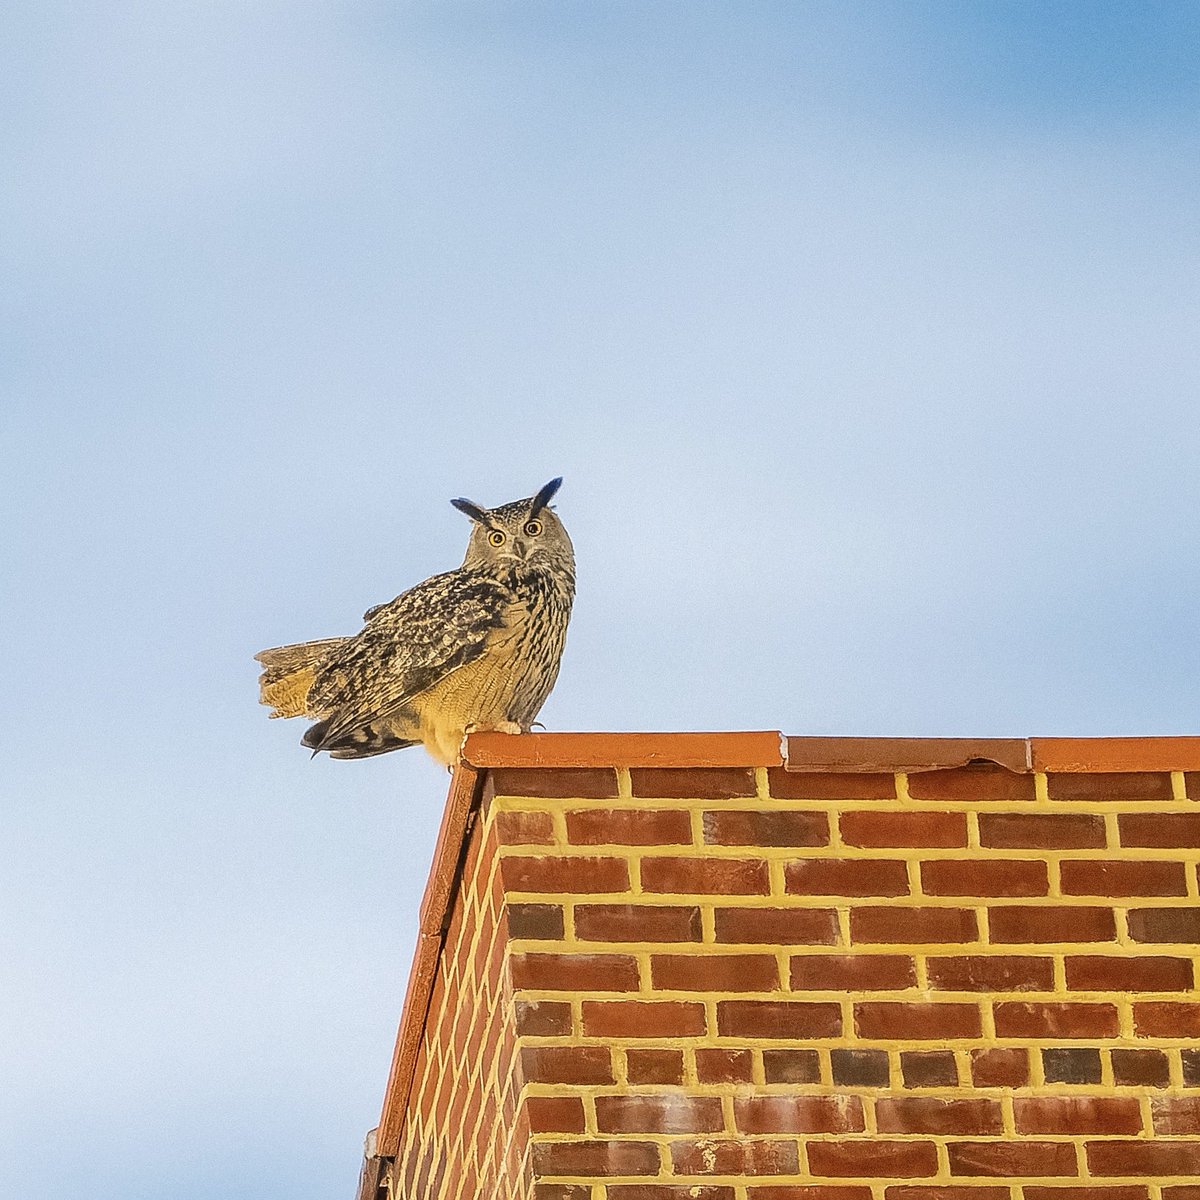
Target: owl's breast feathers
[(463, 648)]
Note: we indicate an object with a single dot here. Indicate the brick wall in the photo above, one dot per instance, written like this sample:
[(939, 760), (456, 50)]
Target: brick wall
[(749, 983), (464, 1133)]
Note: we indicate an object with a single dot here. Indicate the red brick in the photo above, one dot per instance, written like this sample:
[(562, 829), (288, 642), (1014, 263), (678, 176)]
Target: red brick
[(875, 1158), (654, 1066), (1144, 1159), (724, 1066), (1077, 1114), (1088, 1192), (846, 877), (1160, 829), (1142, 1068), (702, 783), (792, 1066), (1008, 1068), (575, 972), (554, 1114), (971, 783), (912, 926), (629, 827), (731, 1156), (1071, 1064), (664, 1191), (566, 1064), (926, 1114), (637, 923), (671, 1113), (803, 1192), (852, 972), (1050, 923), (1105, 972), (1012, 1158), (777, 926), (559, 783), (1165, 924), (1128, 785), (980, 877), (916, 1022), (1176, 1114), (537, 921), (778, 1019), (1041, 831), (798, 1114), (950, 1192), (561, 1191), (1164, 1019), (928, 1068), (858, 1068), (1190, 1061), (524, 828), (1055, 1019), (840, 785), (756, 828), (706, 876), (1089, 877), (715, 972), (918, 829), (595, 1158), (1185, 1191), (992, 973), (535, 873), (639, 1018), (542, 1018)]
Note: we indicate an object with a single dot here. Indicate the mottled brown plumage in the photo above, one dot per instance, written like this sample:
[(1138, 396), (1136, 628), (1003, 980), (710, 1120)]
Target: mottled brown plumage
[(475, 648)]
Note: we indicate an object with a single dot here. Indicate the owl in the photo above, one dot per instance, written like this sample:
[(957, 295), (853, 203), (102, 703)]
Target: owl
[(475, 648)]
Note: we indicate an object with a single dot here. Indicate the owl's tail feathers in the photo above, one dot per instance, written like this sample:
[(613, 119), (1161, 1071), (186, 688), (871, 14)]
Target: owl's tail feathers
[(288, 673), (363, 741)]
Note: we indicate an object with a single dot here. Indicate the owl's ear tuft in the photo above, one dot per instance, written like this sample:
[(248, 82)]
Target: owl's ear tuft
[(544, 496), (472, 510)]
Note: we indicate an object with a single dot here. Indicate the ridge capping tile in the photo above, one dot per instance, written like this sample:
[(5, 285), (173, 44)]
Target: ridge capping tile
[(756, 748)]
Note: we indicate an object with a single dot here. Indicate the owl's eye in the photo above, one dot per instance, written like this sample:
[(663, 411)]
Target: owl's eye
[(497, 538), (533, 528)]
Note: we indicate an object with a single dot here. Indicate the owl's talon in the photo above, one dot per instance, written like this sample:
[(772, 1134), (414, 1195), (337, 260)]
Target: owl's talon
[(493, 727)]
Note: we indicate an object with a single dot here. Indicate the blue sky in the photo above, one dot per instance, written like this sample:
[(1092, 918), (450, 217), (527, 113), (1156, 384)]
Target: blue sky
[(863, 334)]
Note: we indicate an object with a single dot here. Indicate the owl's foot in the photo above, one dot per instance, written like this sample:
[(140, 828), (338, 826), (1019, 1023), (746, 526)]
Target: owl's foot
[(495, 727)]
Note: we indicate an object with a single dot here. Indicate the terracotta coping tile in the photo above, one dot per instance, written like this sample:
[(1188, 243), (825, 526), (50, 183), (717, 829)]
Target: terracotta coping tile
[(756, 749), (903, 754), (1115, 754), (830, 754)]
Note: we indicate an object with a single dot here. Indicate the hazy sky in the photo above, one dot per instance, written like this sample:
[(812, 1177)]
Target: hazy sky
[(864, 334)]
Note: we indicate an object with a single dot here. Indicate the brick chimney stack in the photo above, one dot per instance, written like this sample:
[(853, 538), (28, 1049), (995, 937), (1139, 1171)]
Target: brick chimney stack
[(744, 967)]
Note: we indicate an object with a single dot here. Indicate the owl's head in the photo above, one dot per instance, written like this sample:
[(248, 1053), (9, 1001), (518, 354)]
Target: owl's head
[(521, 533)]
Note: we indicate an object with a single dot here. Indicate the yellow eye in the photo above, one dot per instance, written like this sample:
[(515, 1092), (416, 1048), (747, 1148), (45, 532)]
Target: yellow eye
[(497, 538), (533, 528)]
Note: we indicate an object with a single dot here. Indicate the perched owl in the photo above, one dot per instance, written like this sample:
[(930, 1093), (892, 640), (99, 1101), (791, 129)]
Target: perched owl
[(476, 648)]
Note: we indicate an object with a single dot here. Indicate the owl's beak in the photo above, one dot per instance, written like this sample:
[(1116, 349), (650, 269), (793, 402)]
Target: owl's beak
[(519, 547)]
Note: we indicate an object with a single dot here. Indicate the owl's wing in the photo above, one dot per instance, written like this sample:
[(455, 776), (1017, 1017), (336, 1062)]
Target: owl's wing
[(406, 647)]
